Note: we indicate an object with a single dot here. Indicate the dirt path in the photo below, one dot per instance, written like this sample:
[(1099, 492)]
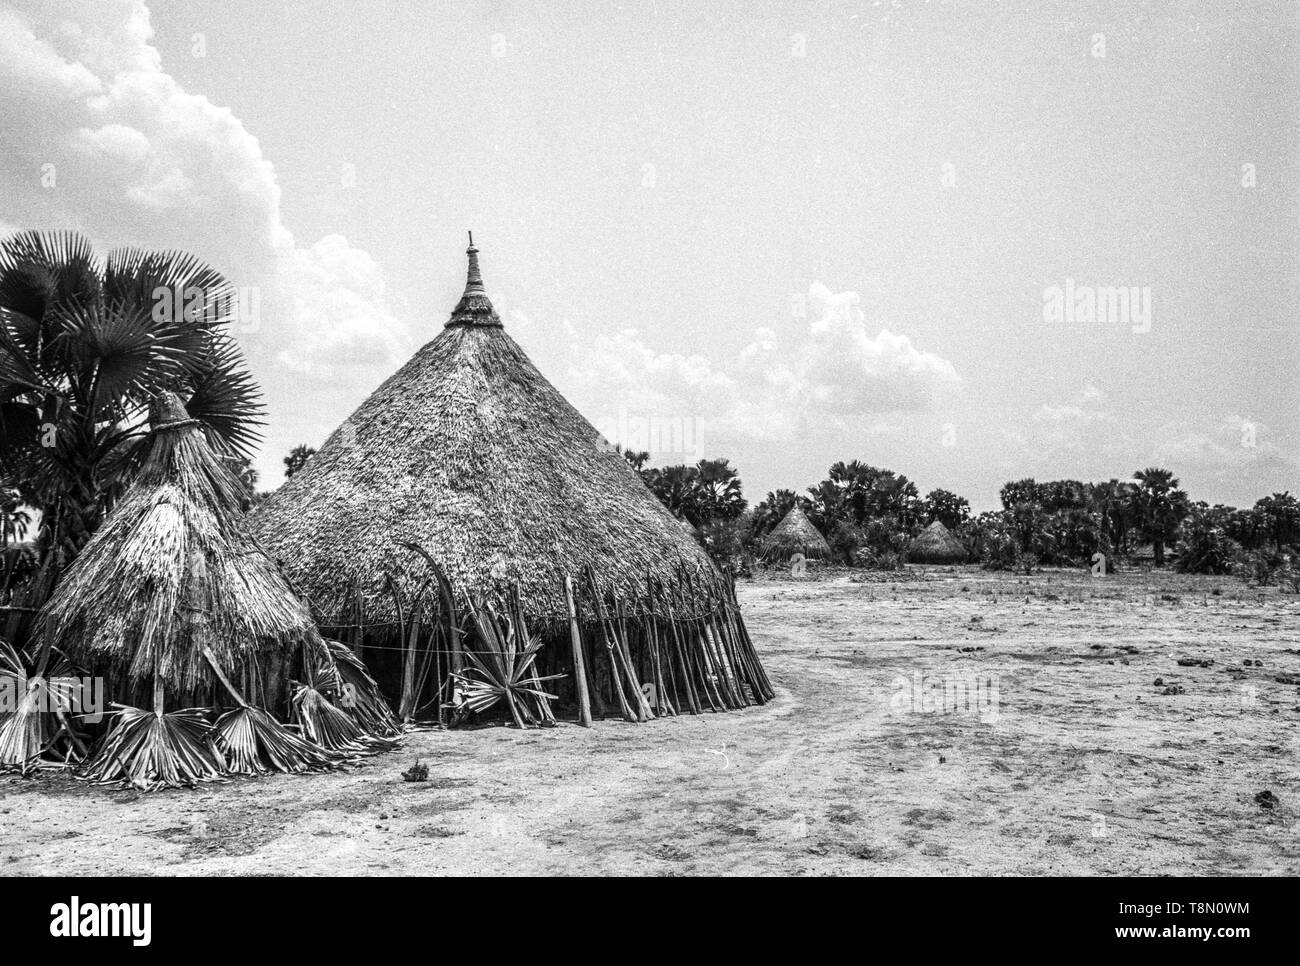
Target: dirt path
[(1073, 762)]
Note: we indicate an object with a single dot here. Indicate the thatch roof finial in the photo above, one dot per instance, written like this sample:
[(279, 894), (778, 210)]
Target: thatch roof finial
[(474, 307)]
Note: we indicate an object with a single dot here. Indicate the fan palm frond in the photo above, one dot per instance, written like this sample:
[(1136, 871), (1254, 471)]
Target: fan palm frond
[(148, 750), (367, 704), (39, 713), (325, 723), (254, 743)]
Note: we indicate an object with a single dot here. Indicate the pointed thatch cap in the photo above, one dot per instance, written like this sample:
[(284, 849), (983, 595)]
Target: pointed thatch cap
[(469, 452), (167, 410), (795, 534), (174, 570), (936, 544), (474, 307)]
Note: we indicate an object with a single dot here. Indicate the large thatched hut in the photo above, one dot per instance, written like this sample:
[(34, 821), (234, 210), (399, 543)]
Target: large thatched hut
[(795, 534), (471, 455), (936, 545)]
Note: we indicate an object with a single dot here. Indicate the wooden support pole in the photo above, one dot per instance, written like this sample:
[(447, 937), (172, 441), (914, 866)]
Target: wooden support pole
[(610, 648), (684, 661), (579, 662), (643, 712)]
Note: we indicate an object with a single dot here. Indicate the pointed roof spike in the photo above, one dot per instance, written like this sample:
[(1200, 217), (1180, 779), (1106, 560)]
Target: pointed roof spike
[(474, 307)]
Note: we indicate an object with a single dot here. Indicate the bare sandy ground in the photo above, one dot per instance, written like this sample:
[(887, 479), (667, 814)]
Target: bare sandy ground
[(1080, 764)]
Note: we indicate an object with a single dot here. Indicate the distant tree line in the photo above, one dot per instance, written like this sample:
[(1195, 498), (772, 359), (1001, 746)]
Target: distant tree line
[(869, 515)]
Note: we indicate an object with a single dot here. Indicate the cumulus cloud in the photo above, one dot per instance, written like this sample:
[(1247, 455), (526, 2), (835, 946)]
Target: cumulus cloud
[(1080, 425), (101, 138), (839, 371), (834, 375), (333, 281), (668, 404)]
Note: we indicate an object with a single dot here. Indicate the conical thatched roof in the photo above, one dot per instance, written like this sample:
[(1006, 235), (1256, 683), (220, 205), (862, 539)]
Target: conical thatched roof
[(469, 452), (935, 544), (795, 534), (174, 570)]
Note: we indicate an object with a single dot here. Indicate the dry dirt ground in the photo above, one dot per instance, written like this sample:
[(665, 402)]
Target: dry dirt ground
[(1070, 758)]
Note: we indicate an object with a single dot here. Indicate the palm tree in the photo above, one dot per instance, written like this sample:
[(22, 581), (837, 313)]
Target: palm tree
[(13, 523), (297, 459), (676, 487), (85, 344), (827, 504), (866, 493), (947, 507), (637, 458), (1115, 504), (719, 494), (1030, 525), (1161, 506), (1279, 516)]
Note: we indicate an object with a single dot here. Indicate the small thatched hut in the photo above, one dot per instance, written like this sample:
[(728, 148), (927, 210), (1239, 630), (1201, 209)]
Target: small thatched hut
[(173, 571), (174, 603), (471, 455), (795, 534), (936, 545)]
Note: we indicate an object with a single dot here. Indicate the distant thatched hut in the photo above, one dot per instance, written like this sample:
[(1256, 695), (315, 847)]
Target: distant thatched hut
[(470, 454), (795, 534), (936, 545)]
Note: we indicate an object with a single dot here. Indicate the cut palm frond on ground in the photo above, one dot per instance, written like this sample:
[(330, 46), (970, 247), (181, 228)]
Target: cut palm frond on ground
[(149, 750), (368, 706), (33, 711), (254, 743), (326, 724), (322, 705)]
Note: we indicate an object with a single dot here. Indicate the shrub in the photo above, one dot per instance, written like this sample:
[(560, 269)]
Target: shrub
[(882, 560), (1206, 549), (1259, 568), (1026, 563), (725, 542)]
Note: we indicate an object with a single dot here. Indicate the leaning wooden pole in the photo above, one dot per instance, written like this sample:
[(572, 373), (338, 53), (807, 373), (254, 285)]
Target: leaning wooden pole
[(579, 662), (643, 712), (611, 657)]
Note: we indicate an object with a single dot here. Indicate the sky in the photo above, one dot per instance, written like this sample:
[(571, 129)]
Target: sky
[(786, 234)]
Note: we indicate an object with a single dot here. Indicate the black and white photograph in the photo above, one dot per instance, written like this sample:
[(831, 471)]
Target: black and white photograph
[(749, 439)]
